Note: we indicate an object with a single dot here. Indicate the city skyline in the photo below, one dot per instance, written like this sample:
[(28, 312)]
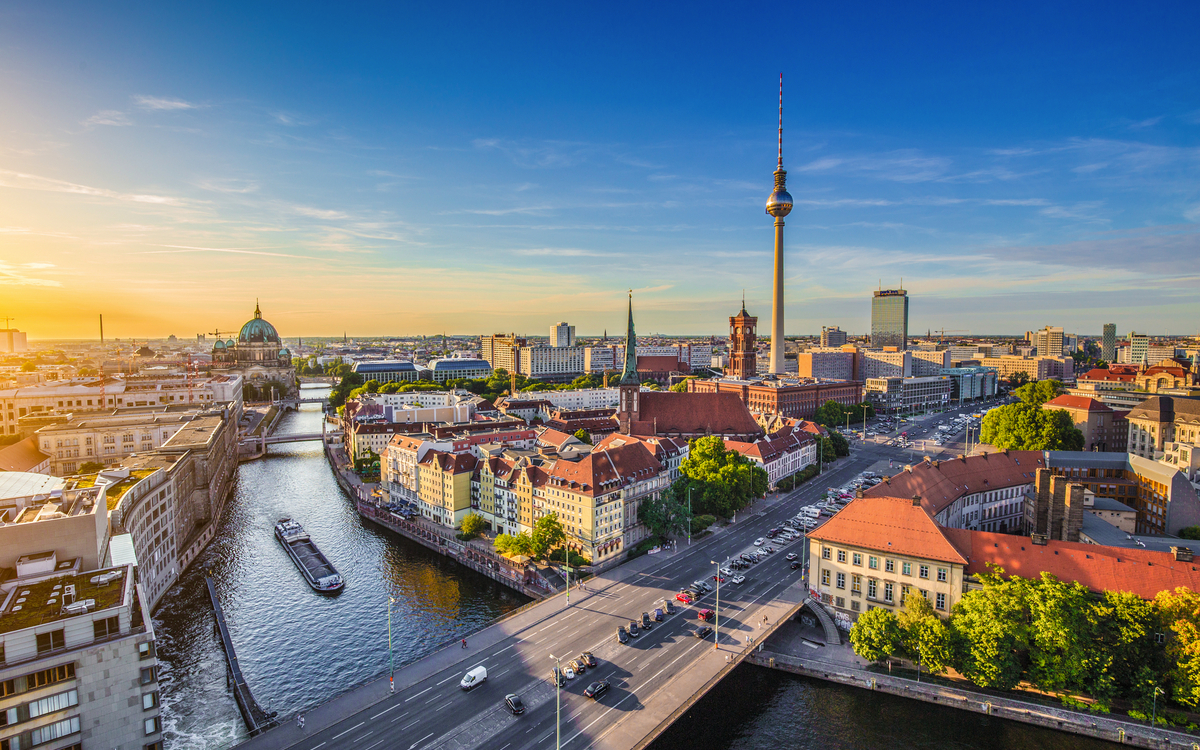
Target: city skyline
[(396, 175)]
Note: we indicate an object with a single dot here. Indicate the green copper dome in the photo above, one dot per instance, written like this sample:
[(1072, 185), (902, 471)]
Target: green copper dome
[(258, 331)]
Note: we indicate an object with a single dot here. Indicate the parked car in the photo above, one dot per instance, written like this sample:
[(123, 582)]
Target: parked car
[(658, 615), (669, 606), (646, 621), (559, 678), (587, 658), (719, 579), (738, 579), (703, 632), (759, 542), (577, 666), (596, 689), (513, 703), (633, 629), (705, 615), (684, 596), (622, 636), (568, 673)]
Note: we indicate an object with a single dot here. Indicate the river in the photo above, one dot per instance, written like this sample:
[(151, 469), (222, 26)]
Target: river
[(297, 648)]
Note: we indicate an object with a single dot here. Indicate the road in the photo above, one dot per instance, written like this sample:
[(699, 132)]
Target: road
[(436, 713)]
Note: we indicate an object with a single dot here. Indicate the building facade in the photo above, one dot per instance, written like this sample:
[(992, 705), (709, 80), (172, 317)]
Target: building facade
[(1103, 428), (500, 350), (562, 334), (889, 319), (1049, 341), (743, 345), (832, 336), (259, 356), (1108, 346), (788, 398), (908, 395)]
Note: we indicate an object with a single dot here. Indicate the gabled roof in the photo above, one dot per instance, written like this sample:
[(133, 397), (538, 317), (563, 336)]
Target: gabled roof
[(1167, 409), (1099, 568), (450, 463), (940, 483), (603, 470), (1103, 375), (695, 414), (891, 525), (22, 455), (1081, 403)]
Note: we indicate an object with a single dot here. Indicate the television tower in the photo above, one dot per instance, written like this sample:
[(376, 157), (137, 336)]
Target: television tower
[(779, 205)]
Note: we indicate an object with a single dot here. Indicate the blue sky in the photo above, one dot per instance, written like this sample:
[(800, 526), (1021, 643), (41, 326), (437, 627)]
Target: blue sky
[(472, 168)]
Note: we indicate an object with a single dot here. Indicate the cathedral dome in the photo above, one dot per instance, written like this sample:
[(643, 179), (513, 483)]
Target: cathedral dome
[(258, 331), (220, 345)]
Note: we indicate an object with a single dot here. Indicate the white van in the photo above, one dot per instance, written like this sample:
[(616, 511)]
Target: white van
[(811, 511), (474, 678)]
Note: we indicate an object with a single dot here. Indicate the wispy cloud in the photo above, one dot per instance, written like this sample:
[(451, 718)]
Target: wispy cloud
[(1147, 123), (228, 185), (108, 117), (1082, 211), (566, 252), (179, 249), (160, 103), (319, 213), (505, 211), (15, 275), (23, 181)]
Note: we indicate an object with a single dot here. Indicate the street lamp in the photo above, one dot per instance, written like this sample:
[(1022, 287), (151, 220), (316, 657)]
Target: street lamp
[(1154, 711), (557, 703), (689, 514), (717, 616), (391, 658)]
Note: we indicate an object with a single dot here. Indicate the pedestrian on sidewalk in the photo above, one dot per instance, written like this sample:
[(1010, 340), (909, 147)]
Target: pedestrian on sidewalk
[(300, 721), (464, 642)]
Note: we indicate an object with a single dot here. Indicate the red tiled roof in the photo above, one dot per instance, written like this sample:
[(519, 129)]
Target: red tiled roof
[(1140, 571), (1104, 375), (940, 483), (1082, 403), (695, 414), (602, 470), (452, 463), (889, 524), (553, 437)]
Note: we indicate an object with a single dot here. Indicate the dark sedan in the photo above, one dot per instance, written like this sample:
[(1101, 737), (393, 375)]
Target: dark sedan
[(513, 703), (703, 632), (596, 689)]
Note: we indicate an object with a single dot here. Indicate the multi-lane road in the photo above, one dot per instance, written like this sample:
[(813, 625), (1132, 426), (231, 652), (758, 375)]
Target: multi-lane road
[(434, 712)]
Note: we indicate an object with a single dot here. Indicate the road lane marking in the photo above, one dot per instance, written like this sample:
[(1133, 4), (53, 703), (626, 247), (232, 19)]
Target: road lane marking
[(406, 726), (363, 737), (351, 729), (418, 742), (418, 695), (377, 743), (443, 682), (384, 711)]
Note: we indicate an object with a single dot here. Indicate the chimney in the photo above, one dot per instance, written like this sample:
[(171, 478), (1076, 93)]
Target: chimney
[(916, 501), (858, 492), (1182, 554), (1038, 539), (962, 457)]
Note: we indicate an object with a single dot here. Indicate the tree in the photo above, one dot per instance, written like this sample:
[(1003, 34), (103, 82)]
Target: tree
[(841, 446), (1039, 392), (991, 632), (682, 385), (515, 544), (1180, 610), (828, 452), (548, 534), (28, 366), (1027, 426), (1190, 532), (1124, 625), (91, 467), (923, 635), (1018, 379), (583, 436), (830, 414), (473, 525), (665, 515), (722, 481), (1061, 635), (876, 634)]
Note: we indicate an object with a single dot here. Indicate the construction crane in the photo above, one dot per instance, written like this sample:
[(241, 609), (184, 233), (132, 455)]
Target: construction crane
[(943, 331)]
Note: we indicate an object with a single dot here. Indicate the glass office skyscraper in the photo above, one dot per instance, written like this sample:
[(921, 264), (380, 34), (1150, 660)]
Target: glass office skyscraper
[(889, 319), (1108, 351)]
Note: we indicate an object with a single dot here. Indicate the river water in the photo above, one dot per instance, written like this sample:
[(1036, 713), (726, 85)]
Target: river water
[(297, 648)]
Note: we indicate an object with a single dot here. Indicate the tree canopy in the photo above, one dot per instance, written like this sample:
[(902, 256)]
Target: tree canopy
[(876, 634), (833, 414), (1027, 426), (473, 525), (665, 515), (721, 481)]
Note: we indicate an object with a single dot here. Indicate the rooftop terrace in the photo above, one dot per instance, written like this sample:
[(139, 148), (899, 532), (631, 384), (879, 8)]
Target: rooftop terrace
[(42, 602)]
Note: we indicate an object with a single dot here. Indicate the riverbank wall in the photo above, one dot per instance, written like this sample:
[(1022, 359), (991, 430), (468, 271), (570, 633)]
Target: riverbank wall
[(1088, 725)]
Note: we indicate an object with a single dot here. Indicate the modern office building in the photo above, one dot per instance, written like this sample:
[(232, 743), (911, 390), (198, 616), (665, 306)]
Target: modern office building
[(387, 371), (562, 334), (1108, 349), (925, 362), (1138, 349), (832, 336), (1049, 341), (889, 363), (897, 395), (889, 319), (458, 368), (500, 350), (827, 364), (969, 383)]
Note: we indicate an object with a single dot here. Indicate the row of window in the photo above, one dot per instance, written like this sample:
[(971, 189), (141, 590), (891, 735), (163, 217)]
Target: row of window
[(33, 709), (35, 680), (889, 565), (42, 735)]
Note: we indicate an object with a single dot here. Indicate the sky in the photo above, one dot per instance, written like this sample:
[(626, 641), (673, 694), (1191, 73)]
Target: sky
[(405, 168)]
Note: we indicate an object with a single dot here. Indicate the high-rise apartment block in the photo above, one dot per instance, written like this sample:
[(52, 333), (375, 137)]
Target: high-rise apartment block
[(926, 363), (1108, 350), (887, 363), (832, 336), (562, 334), (743, 348), (1139, 348), (12, 341), (1049, 341), (500, 350), (889, 319)]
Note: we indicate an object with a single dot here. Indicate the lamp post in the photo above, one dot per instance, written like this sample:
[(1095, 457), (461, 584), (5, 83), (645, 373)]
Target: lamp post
[(717, 615), (689, 514), (557, 703), (1154, 711), (391, 658), (567, 565)]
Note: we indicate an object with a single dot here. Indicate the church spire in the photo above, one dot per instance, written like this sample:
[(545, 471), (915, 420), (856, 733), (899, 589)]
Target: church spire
[(257, 312), (629, 376)]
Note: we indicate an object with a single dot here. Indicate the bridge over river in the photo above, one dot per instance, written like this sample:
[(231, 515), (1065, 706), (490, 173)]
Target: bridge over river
[(654, 678)]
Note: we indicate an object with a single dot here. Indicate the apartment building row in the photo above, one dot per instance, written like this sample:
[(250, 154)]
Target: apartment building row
[(515, 354), (20, 407)]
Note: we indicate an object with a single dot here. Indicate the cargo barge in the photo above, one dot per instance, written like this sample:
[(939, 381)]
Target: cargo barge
[(313, 565)]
